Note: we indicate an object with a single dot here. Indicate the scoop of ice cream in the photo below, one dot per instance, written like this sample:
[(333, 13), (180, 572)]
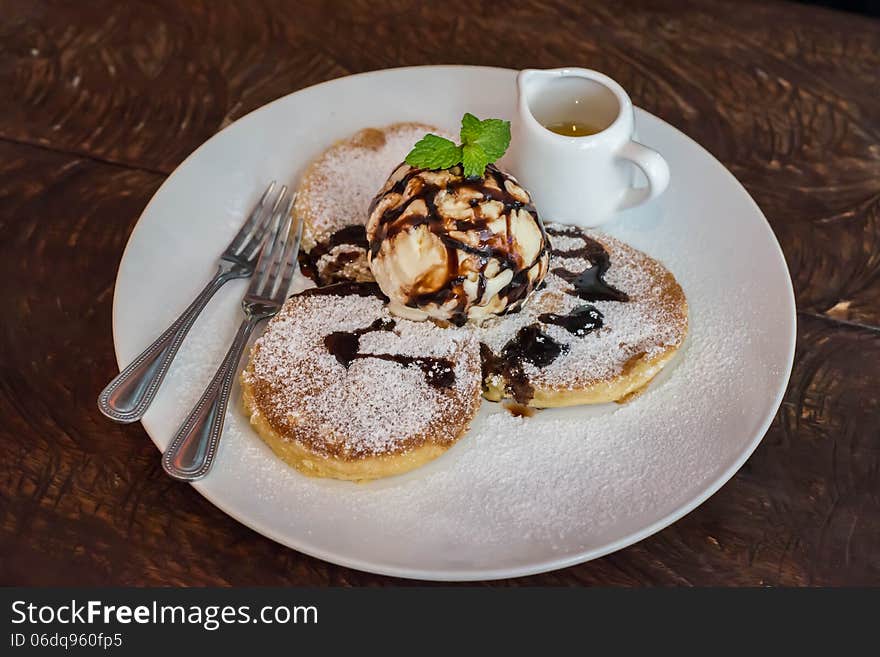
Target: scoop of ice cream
[(455, 248)]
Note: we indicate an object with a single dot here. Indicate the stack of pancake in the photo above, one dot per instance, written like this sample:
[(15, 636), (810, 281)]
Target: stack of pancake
[(339, 387)]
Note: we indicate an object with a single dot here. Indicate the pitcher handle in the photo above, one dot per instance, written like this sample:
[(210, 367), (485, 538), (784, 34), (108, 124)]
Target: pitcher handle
[(654, 167)]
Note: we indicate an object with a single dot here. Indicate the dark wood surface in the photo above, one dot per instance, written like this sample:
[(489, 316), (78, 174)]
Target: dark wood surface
[(101, 100)]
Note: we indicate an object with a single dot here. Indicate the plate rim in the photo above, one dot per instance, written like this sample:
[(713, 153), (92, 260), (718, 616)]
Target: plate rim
[(547, 565)]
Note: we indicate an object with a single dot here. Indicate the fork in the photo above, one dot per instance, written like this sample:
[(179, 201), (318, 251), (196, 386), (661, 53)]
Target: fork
[(192, 450), (128, 396)]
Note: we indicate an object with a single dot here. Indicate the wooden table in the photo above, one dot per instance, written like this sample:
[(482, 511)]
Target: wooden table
[(101, 100)]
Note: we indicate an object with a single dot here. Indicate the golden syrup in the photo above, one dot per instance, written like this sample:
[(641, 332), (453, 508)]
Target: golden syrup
[(573, 128)]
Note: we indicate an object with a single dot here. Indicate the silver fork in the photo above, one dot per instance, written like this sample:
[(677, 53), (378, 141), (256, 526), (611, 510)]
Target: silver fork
[(128, 396), (194, 446)]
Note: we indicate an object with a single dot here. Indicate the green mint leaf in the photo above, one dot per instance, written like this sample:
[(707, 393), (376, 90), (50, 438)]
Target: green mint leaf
[(470, 128), (433, 152), (474, 159), (493, 135), (482, 142)]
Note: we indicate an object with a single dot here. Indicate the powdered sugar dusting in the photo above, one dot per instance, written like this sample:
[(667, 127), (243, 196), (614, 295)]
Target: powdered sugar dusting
[(649, 323), (374, 406), (549, 480), (344, 179)]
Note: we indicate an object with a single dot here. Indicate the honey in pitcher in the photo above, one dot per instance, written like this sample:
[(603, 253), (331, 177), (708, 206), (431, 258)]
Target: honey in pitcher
[(573, 128)]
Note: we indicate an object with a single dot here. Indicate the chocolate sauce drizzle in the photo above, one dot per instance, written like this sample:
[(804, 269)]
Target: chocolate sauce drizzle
[(344, 289), (534, 346), (355, 235), (589, 284), (345, 346), (529, 345), (580, 321), (499, 247)]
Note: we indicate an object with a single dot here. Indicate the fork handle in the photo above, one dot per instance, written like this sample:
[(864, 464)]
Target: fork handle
[(128, 396), (192, 450)]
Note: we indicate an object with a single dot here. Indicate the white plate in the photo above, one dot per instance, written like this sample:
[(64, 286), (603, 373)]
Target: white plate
[(515, 496)]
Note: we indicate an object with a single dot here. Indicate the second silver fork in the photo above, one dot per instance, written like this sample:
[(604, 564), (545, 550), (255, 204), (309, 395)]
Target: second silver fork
[(192, 450)]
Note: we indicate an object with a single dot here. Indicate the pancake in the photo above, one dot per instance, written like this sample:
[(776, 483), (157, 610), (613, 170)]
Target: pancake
[(338, 387), (334, 199), (604, 324)]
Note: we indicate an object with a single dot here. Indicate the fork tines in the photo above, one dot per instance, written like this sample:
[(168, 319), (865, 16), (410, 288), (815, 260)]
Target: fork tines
[(246, 243), (277, 261)]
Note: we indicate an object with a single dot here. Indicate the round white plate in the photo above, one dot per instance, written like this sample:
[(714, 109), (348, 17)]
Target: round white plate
[(515, 496)]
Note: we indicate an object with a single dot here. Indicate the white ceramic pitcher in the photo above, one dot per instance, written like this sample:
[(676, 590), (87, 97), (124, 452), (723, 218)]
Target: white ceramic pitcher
[(580, 180)]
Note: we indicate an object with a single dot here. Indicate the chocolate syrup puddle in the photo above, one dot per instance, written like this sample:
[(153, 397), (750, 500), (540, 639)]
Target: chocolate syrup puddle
[(579, 321), (529, 345), (534, 346), (589, 284), (345, 346), (439, 372), (351, 236)]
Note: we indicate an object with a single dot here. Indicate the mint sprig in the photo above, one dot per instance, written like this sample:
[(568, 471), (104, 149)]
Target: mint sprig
[(482, 142), (433, 152)]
